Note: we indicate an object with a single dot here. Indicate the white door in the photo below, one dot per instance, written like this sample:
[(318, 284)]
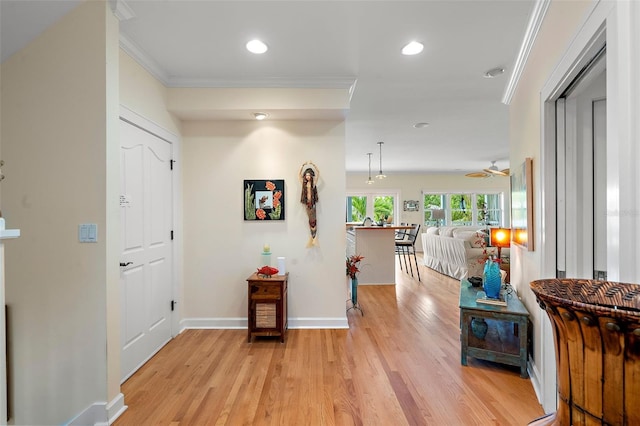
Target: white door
[(146, 262)]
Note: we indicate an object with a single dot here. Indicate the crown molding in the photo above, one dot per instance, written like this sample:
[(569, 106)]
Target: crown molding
[(537, 16), (121, 10), (307, 83), (143, 59)]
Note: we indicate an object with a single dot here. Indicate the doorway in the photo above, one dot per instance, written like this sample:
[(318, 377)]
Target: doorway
[(581, 169)]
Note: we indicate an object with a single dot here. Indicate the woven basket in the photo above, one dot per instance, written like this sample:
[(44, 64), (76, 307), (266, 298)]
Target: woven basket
[(596, 326)]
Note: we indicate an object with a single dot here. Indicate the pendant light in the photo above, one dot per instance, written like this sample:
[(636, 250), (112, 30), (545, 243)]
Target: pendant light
[(369, 181), (380, 175)]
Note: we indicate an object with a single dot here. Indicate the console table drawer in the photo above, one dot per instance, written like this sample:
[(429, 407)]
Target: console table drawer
[(261, 291)]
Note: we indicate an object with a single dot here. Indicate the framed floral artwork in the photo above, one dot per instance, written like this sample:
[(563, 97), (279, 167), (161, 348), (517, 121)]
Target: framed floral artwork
[(264, 199)]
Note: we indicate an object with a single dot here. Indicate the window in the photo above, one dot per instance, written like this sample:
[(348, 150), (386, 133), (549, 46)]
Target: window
[(360, 207), (356, 208), (383, 207), (432, 202), (489, 207), (460, 209), (464, 209)]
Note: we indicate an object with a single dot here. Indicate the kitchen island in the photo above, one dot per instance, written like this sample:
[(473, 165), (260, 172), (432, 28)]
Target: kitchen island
[(377, 245)]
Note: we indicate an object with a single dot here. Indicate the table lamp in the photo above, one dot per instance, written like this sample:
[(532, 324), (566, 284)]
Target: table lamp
[(437, 215), (500, 237)]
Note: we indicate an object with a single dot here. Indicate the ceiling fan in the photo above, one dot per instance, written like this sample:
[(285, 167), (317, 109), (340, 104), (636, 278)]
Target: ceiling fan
[(489, 172)]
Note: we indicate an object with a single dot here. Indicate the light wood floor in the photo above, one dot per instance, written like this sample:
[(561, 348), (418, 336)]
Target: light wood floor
[(399, 364)]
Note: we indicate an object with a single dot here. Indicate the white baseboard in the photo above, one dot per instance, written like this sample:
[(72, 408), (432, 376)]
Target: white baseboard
[(100, 413), (115, 408), (303, 323), (241, 323), (95, 415), (534, 376), (214, 323)]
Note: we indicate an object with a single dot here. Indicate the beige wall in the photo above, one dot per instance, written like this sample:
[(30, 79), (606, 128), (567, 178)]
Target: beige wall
[(57, 141), (222, 250), (141, 92)]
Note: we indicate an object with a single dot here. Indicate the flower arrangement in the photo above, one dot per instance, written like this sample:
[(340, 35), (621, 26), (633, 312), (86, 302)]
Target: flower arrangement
[(482, 242), (352, 265)]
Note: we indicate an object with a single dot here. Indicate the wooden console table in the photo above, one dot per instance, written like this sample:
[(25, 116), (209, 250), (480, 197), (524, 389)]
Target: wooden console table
[(267, 305), (506, 341)]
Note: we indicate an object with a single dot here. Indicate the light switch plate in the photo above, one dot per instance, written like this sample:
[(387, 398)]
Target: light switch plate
[(88, 233)]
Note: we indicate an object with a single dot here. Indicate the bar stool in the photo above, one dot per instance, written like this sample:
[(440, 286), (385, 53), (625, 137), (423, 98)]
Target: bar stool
[(408, 246)]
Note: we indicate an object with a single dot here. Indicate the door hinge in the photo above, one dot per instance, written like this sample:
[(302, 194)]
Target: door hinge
[(172, 234), (171, 163), (173, 305)]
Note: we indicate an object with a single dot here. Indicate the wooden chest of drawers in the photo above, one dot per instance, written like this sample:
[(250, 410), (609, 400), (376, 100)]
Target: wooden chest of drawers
[(267, 306)]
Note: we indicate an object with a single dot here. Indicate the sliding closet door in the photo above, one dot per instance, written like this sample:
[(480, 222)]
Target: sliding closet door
[(581, 175)]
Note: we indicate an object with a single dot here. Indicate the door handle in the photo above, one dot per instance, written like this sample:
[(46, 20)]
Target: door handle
[(126, 264)]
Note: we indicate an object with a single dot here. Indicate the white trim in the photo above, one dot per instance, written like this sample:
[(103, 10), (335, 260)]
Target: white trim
[(623, 153), (121, 10), (588, 40), (584, 45), (100, 413), (95, 414), (153, 68), (115, 408), (143, 123), (533, 27), (346, 82), (141, 57), (534, 376), (319, 323), (240, 323)]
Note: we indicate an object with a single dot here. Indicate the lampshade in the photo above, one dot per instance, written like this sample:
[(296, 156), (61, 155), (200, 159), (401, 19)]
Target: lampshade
[(437, 214), (500, 237)]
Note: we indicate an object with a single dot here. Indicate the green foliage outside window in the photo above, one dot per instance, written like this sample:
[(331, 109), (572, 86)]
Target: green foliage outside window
[(432, 202), (461, 209), (464, 209), (382, 208), (357, 209)]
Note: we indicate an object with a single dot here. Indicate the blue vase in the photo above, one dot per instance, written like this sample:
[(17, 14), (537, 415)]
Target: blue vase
[(491, 280), (354, 291)]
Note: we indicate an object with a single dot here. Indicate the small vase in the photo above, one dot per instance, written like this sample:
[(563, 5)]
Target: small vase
[(479, 327), (491, 280), (354, 291)]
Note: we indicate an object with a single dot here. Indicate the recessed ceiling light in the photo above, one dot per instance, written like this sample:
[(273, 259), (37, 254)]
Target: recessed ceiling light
[(257, 46), (412, 48), (494, 72), (421, 125), (260, 115)]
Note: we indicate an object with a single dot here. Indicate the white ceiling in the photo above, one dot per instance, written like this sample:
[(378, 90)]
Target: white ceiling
[(333, 44)]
